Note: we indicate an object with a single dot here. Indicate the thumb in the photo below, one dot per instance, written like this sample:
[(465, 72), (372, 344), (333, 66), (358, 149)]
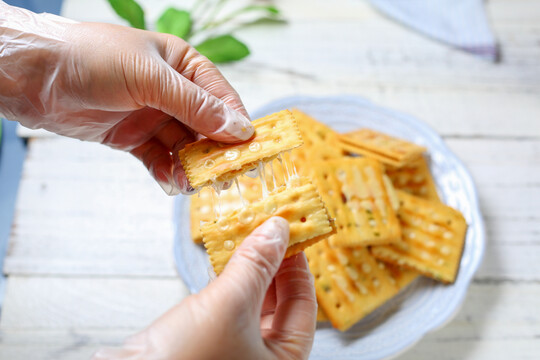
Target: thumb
[(167, 90), (254, 264)]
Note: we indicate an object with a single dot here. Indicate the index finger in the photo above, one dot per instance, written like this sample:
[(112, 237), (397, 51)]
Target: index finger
[(202, 72)]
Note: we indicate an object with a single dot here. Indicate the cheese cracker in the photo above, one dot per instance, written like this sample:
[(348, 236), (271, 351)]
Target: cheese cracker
[(207, 161), (414, 178), (348, 282), (355, 193), (433, 238), (300, 205), (385, 148)]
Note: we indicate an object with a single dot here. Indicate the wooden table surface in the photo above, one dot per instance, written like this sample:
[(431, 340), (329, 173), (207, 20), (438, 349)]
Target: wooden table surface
[(90, 255)]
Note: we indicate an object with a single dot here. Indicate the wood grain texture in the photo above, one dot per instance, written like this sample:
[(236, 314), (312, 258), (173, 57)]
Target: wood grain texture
[(494, 317), (95, 303)]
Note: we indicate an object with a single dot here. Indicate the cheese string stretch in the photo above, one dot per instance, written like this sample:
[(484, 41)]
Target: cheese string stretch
[(260, 171)]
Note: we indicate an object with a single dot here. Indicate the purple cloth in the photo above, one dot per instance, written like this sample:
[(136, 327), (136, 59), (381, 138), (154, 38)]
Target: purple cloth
[(460, 23)]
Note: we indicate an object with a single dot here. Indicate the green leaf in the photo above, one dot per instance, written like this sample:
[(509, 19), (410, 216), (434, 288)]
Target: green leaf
[(268, 8), (223, 48), (130, 11), (176, 22)]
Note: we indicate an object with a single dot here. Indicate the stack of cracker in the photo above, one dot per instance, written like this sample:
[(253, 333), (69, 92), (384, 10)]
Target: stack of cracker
[(222, 219), (375, 221)]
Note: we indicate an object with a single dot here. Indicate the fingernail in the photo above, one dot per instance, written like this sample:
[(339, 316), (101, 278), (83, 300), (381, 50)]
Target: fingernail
[(182, 182), (237, 125), (301, 259), (189, 190)]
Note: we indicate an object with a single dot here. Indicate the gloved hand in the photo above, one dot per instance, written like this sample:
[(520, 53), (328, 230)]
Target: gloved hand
[(138, 91), (256, 309)]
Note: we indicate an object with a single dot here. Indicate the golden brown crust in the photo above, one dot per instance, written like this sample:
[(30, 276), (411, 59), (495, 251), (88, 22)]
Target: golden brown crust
[(207, 161), (356, 195), (433, 239), (414, 178), (348, 282), (385, 148), (301, 206)]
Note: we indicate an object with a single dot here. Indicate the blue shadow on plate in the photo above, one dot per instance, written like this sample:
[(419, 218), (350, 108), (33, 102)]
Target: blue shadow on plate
[(424, 305)]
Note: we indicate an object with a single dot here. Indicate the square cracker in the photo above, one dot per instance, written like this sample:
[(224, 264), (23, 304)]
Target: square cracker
[(356, 195), (349, 283), (433, 239), (300, 204), (414, 178), (385, 148), (207, 161)]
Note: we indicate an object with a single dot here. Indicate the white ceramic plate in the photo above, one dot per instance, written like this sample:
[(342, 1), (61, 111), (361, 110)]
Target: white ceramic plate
[(423, 306)]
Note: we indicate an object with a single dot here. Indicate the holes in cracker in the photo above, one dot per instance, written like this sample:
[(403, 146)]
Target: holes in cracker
[(254, 147), (232, 154), (229, 245), (223, 224), (246, 216)]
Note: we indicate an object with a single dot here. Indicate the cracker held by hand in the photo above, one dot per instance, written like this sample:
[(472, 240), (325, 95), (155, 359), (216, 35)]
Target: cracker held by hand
[(385, 148), (299, 204), (433, 238), (356, 195), (207, 161)]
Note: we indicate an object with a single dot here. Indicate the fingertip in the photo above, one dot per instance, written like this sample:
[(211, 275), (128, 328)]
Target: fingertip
[(165, 181), (235, 127), (282, 226), (181, 181)]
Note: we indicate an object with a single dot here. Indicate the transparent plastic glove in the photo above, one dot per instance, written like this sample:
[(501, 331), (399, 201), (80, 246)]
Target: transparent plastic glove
[(256, 309), (134, 90)]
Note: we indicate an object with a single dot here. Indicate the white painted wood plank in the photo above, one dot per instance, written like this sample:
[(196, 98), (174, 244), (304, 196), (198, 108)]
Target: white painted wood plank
[(86, 209), (513, 262), (428, 349), (79, 302), (65, 344), (492, 314), (477, 349), (500, 163)]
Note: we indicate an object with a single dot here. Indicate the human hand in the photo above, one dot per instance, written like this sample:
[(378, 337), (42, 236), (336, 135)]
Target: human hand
[(134, 90), (256, 309)]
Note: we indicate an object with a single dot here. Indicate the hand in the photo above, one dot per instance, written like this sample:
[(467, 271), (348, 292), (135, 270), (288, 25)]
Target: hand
[(256, 309), (134, 90)]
